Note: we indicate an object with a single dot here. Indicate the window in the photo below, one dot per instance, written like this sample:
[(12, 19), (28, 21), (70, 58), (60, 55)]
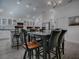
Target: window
[(4, 21), (14, 22), (0, 21), (9, 21), (27, 23), (24, 22)]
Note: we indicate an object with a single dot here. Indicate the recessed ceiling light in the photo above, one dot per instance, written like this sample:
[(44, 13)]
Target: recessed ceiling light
[(49, 3), (1, 10), (34, 9), (60, 1), (11, 12), (18, 2), (27, 6)]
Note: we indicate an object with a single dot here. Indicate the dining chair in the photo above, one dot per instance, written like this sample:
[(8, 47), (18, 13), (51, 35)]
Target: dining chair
[(53, 44), (30, 46), (61, 42)]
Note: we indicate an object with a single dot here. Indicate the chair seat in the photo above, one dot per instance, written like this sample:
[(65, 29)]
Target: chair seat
[(32, 45), (16, 35)]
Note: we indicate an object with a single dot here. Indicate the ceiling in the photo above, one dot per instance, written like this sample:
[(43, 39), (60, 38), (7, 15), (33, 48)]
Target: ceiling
[(26, 8)]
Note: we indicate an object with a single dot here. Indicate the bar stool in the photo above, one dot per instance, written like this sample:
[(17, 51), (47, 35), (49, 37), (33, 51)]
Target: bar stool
[(20, 24), (16, 36), (29, 46)]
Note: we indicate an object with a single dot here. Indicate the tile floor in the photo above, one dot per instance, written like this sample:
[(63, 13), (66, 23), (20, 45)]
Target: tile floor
[(7, 52)]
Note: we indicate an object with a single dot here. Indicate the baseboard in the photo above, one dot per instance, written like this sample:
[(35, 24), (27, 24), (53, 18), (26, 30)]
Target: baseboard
[(1, 39)]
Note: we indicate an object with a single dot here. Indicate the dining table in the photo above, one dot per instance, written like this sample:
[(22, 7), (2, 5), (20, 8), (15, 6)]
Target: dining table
[(44, 37)]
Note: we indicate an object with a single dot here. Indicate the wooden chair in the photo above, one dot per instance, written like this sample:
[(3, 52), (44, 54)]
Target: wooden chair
[(30, 46)]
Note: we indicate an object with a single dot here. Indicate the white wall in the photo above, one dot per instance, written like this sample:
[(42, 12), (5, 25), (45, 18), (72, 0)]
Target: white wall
[(4, 34), (62, 15), (71, 9)]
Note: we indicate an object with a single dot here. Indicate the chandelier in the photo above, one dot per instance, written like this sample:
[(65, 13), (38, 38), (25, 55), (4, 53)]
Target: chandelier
[(55, 3)]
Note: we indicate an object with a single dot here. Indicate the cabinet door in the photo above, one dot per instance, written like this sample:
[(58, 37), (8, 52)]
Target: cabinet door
[(4, 21), (9, 21), (14, 22)]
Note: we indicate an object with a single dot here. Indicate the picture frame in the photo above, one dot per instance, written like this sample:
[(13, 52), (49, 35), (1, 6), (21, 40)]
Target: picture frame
[(74, 21)]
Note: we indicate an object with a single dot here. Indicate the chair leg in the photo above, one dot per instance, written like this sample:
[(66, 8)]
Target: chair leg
[(63, 47), (57, 53), (37, 53), (32, 54), (24, 57), (17, 43), (49, 57), (29, 53)]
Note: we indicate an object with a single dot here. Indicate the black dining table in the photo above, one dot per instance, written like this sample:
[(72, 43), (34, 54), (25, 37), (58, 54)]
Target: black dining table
[(44, 36)]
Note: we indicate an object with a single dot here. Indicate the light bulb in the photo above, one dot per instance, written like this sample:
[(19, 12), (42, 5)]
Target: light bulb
[(49, 3), (27, 6), (60, 1), (11, 12), (18, 2)]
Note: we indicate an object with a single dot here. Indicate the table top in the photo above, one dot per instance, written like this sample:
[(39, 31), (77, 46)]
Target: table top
[(40, 33)]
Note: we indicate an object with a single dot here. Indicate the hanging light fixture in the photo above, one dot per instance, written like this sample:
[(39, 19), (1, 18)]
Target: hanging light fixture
[(49, 3), (54, 2)]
